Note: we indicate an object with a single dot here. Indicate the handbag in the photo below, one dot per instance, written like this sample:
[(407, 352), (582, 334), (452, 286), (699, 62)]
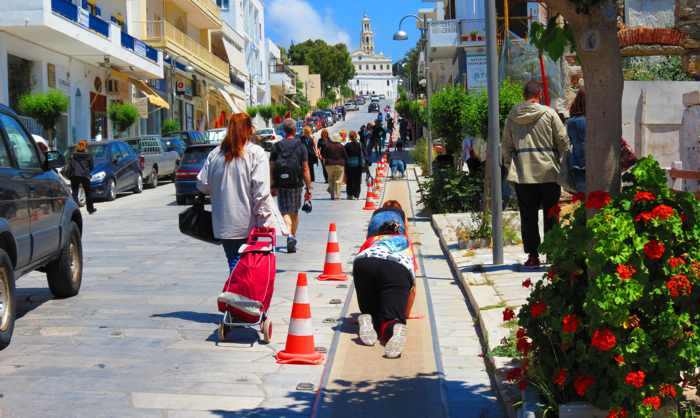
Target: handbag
[(196, 222)]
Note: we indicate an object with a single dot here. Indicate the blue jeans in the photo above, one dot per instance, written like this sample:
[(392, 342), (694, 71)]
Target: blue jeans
[(579, 177), (398, 165), (231, 247)]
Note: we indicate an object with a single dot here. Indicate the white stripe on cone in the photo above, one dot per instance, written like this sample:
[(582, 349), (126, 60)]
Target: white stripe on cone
[(333, 258), (301, 327), (332, 236), (301, 295)]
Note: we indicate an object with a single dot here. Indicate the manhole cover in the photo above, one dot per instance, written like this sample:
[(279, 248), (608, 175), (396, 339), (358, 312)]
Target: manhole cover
[(305, 386), (335, 302)]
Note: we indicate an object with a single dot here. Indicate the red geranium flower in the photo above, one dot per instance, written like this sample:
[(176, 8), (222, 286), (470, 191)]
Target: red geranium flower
[(570, 323), (619, 359), (625, 271), (550, 274), (514, 374), (598, 200), (560, 377), (523, 345), (537, 309), (654, 249), (578, 197), (684, 217), (522, 384), (653, 401), (554, 211), (520, 333), (645, 196), (508, 314), (662, 212), (644, 216), (617, 413), (669, 391), (635, 379), (675, 262), (679, 285), (603, 339), (527, 283), (582, 383)]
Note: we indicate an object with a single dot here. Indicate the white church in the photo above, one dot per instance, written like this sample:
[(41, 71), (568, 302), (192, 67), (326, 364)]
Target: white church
[(373, 72)]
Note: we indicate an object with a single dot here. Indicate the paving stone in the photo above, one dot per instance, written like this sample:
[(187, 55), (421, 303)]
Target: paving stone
[(179, 401)]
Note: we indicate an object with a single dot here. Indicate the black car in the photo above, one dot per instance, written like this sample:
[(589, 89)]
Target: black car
[(40, 223), (190, 137), (373, 107), (186, 174)]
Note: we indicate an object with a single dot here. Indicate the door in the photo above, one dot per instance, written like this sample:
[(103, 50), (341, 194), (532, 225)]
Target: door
[(14, 204), (128, 165), (45, 205), (120, 173)]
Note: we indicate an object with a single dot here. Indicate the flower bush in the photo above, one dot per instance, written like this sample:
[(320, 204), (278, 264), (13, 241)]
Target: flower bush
[(616, 320)]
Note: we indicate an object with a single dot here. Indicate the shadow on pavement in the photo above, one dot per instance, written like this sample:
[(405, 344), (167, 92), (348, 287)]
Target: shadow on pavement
[(199, 317), (30, 298)]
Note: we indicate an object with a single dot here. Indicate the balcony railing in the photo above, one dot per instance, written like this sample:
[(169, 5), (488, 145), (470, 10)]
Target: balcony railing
[(136, 45), (209, 7), (65, 9), (163, 34), (100, 26)]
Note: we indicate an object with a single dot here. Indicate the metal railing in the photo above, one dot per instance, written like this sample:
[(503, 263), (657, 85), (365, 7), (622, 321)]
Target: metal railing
[(444, 26), (69, 11), (163, 34), (130, 43)]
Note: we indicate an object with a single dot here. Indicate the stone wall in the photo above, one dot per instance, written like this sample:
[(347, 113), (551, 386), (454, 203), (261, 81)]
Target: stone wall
[(688, 21), (689, 136)]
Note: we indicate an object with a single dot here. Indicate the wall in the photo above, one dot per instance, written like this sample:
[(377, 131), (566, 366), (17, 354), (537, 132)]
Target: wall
[(690, 138), (650, 13), (651, 117)]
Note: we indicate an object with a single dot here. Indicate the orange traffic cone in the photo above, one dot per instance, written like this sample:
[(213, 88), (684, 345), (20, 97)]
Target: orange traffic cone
[(333, 268), (369, 203), (299, 348), (371, 194)]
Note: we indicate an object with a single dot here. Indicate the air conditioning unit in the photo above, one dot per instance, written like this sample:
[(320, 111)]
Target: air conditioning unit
[(112, 86)]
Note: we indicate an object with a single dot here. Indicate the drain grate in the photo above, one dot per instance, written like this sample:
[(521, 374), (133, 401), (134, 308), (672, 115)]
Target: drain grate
[(305, 386)]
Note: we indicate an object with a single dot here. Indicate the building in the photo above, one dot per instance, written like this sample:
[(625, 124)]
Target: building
[(309, 83), (246, 18), (373, 72), (91, 51), (283, 81)]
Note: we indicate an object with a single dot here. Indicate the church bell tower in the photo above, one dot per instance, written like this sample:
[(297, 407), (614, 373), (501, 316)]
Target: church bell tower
[(367, 39)]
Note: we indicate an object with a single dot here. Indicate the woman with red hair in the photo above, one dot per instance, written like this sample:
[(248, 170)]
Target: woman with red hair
[(236, 175)]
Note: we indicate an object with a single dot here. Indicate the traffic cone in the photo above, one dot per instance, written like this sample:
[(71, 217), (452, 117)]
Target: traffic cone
[(299, 348), (333, 268), (371, 194), (369, 203)]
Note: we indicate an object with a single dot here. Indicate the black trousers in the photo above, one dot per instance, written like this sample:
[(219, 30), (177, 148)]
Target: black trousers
[(532, 198), (382, 288), (325, 173), (75, 183), (312, 171), (354, 177)]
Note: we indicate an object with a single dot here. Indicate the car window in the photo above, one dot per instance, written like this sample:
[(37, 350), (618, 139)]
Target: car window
[(21, 145), (135, 144), (125, 149), (196, 155), (98, 152), (5, 161)]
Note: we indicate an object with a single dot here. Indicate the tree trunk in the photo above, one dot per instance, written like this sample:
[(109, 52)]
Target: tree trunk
[(599, 52)]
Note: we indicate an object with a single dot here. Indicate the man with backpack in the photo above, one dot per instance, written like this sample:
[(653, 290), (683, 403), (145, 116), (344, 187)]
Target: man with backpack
[(289, 168)]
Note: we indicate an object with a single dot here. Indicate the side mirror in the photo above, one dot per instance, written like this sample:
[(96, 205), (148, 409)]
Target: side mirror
[(54, 160)]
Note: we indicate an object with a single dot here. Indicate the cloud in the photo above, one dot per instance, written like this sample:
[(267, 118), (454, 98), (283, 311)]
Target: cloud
[(297, 20)]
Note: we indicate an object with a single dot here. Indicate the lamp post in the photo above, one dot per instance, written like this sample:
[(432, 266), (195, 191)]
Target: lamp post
[(401, 35)]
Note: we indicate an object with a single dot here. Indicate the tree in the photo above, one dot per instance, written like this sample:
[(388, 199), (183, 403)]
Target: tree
[(331, 95), (332, 62), (448, 107), (324, 103), (591, 26), (46, 108), (346, 92), (169, 126), (252, 111), (122, 115), (267, 112)]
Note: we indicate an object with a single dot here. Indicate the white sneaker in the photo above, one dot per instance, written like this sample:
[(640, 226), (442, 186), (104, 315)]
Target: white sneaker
[(368, 335), (394, 347)]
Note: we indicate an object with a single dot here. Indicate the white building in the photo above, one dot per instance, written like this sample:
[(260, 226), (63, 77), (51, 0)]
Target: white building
[(373, 72), (85, 50)]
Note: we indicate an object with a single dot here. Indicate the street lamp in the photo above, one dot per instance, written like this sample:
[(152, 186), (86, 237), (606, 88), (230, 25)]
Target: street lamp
[(401, 35)]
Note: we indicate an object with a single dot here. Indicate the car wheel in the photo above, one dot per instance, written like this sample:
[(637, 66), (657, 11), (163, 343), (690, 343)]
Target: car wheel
[(7, 299), (111, 190), (138, 188), (66, 273), (181, 200), (153, 179)]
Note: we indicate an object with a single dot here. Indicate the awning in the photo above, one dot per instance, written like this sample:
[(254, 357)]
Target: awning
[(153, 97), (239, 103), (291, 102), (235, 57), (228, 99)]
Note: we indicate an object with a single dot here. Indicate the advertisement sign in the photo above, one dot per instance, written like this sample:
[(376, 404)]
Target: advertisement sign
[(142, 106), (477, 73), (180, 86), (473, 32)]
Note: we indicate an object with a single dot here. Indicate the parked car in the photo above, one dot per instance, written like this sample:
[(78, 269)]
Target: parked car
[(350, 106), (267, 138), (190, 137), (374, 99), (315, 122), (186, 175), (118, 169), (216, 136), (360, 100), (158, 161), (40, 224), (373, 107), (174, 144), (382, 96), (327, 117)]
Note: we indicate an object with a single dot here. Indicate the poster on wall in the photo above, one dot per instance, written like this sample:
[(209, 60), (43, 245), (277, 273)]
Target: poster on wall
[(477, 73)]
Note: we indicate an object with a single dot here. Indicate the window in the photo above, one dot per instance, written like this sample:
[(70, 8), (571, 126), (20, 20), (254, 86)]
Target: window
[(358, 82), (20, 144), (374, 66), (223, 4), (4, 156), (51, 75), (387, 83)]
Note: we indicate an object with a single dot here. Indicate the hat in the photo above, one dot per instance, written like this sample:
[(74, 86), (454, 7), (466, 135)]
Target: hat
[(336, 138)]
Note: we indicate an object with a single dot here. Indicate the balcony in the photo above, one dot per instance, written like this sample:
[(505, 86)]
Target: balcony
[(444, 38), (283, 79), (204, 14), (67, 29), (163, 34)]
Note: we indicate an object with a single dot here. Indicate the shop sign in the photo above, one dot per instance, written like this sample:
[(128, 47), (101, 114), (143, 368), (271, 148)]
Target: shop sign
[(477, 72), (180, 86), (141, 105)]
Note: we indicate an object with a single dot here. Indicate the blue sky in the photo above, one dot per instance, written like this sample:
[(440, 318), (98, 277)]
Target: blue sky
[(340, 21)]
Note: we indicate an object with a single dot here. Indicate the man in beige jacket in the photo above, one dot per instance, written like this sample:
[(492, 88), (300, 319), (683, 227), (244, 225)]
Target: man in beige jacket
[(534, 141)]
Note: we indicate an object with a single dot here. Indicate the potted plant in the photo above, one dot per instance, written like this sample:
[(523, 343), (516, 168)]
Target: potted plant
[(122, 115), (614, 323), (473, 35), (169, 126), (46, 108)]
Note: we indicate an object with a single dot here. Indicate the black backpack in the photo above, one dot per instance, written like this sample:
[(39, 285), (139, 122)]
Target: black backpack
[(287, 166)]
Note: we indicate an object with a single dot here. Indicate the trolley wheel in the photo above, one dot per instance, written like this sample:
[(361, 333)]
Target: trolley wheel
[(222, 332), (267, 330)]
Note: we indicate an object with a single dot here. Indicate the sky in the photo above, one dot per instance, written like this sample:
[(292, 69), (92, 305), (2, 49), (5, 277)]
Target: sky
[(336, 21)]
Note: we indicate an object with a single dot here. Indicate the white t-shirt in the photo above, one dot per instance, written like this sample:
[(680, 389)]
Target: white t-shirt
[(239, 190)]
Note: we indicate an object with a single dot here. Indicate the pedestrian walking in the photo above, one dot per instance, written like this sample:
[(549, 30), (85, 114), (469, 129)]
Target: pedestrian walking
[(354, 167), (403, 130), (236, 175), (322, 142), (308, 140), (289, 168), (378, 136), (362, 133), (79, 171), (534, 142), (336, 158), (397, 162)]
